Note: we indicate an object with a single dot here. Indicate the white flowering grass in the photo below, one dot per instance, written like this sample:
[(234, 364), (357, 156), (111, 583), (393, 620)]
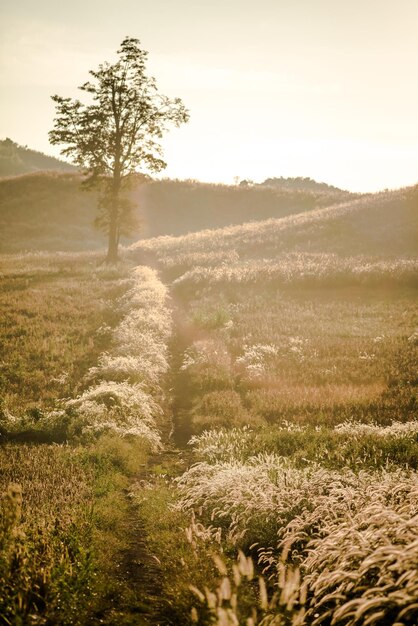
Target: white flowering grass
[(350, 444), (140, 340), (353, 536), (269, 491), (125, 389), (303, 267), (127, 379), (118, 407), (397, 430), (253, 498), (223, 445), (122, 398), (257, 359), (206, 352)]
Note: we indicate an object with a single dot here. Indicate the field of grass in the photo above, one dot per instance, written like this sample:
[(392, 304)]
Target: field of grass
[(67, 523), (235, 428), (295, 384), (40, 297), (64, 528), (300, 406)]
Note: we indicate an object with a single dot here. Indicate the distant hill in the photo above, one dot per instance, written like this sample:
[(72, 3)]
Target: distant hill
[(176, 207), (48, 211), (383, 225), (16, 160), (299, 183)]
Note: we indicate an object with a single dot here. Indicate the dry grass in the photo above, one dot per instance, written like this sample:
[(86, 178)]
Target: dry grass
[(52, 310), (46, 570), (309, 356), (381, 225), (300, 371), (303, 269), (354, 537)]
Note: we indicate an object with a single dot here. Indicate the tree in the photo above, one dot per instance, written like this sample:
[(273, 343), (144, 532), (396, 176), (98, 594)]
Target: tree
[(117, 134)]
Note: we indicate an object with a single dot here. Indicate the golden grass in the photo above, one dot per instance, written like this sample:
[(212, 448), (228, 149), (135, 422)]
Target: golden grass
[(52, 308), (281, 395), (46, 523)]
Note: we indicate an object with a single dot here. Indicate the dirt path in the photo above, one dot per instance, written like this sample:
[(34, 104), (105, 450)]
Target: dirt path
[(138, 600)]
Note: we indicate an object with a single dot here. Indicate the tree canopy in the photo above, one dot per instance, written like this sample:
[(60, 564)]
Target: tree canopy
[(117, 134)]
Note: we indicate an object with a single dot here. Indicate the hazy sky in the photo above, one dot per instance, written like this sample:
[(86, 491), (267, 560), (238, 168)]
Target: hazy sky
[(319, 88)]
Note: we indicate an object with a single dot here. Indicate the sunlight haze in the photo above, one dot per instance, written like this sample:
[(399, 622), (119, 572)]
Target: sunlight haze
[(318, 88)]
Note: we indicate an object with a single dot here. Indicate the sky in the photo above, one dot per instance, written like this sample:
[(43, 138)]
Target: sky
[(321, 88)]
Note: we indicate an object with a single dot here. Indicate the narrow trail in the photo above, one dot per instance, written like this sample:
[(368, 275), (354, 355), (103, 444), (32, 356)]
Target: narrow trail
[(139, 571)]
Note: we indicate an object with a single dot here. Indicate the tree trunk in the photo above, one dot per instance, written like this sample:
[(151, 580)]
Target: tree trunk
[(112, 247), (113, 240)]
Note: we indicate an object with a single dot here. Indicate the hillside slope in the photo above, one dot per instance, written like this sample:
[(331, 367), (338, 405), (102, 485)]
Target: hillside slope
[(16, 160), (383, 224), (176, 207), (48, 210)]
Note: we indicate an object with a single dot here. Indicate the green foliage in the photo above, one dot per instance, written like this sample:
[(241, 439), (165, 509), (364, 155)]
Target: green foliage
[(211, 320), (46, 568), (180, 561), (63, 530), (238, 599)]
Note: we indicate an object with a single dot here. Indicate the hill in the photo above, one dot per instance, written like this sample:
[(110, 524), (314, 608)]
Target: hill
[(177, 207), (16, 160), (381, 226), (300, 183), (48, 211)]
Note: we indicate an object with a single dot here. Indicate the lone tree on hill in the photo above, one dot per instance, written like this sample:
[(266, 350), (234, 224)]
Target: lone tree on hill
[(117, 135)]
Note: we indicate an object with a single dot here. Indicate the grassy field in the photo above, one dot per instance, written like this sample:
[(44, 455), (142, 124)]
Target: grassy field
[(230, 438), (299, 404), (294, 383), (68, 529), (40, 296)]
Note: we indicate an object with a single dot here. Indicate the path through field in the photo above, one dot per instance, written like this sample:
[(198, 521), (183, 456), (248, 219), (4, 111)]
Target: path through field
[(140, 571)]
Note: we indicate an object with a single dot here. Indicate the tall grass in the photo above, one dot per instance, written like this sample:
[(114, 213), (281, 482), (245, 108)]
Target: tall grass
[(304, 269), (46, 523), (350, 444), (139, 360), (124, 391), (55, 312), (353, 536)]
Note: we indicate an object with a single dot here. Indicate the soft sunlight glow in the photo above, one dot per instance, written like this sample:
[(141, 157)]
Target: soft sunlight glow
[(275, 88)]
